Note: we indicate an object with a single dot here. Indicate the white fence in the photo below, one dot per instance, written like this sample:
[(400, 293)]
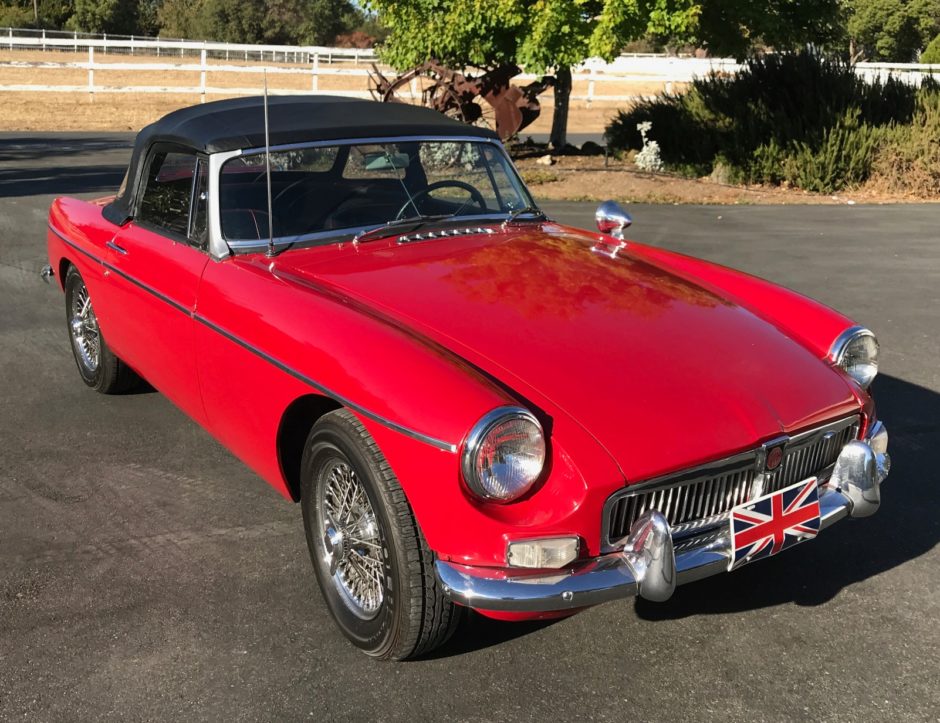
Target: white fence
[(60, 40), (314, 62)]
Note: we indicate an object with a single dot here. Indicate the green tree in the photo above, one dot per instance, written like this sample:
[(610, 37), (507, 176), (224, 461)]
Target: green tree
[(304, 22), (104, 16), (558, 34), (931, 53), (891, 30)]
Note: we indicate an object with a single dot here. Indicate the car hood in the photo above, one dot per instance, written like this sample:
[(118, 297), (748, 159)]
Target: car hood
[(663, 372)]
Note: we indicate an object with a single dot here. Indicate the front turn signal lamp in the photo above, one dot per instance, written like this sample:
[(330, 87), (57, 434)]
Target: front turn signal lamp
[(547, 553)]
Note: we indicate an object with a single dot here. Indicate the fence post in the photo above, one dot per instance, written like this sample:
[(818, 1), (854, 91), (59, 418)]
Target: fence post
[(132, 44), (315, 82), (44, 40), (202, 75), (10, 31), (75, 40), (104, 47), (590, 93), (91, 71)]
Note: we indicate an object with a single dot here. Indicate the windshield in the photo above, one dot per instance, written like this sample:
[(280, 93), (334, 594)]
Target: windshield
[(335, 188)]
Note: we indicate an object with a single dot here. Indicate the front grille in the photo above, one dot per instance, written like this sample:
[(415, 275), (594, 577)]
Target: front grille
[(701, 498)]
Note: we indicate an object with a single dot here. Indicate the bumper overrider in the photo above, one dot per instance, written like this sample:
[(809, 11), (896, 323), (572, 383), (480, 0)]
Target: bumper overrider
[(648, 565)]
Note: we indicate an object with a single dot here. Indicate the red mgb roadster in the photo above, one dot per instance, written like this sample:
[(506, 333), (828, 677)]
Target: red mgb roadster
[(475, 406)]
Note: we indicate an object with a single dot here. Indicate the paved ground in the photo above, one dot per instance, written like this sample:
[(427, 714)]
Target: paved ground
[(145, 574)]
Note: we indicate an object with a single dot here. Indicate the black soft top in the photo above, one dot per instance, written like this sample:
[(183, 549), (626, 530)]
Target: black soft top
[(228, 125)]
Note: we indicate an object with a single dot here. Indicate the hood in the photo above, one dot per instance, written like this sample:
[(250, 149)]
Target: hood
[(662, 372)]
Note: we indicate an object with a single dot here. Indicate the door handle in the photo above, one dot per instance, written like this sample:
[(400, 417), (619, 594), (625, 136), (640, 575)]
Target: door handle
[(114, 247)]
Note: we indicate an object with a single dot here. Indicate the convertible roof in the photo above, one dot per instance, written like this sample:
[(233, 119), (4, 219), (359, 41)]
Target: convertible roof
[(228, 125)]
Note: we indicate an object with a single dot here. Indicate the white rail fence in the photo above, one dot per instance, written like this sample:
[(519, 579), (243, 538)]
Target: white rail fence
[(314, 62)]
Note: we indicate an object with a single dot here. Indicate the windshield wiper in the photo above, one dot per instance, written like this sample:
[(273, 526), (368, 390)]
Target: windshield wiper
[(380, 231), (516, 212)]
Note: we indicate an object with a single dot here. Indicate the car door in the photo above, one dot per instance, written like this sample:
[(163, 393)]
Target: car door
[(157, 261)]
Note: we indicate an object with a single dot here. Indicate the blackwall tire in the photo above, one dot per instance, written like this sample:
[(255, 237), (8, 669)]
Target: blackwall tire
[(356, 519)]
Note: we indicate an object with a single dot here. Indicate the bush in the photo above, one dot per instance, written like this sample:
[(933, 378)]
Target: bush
[(908, 159), (931, 53), (786, 117), (843, 158)]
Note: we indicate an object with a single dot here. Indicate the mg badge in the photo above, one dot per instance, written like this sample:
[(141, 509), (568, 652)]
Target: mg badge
[(774, 458)]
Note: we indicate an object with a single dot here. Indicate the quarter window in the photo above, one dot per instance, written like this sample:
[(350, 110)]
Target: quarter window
[(167, 193)]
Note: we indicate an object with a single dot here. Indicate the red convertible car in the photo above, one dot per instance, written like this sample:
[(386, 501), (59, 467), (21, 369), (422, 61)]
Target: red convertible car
[(475, 406)]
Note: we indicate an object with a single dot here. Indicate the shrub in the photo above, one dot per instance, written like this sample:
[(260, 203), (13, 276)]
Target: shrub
[(781, 117), (908, 159), (843, 158)]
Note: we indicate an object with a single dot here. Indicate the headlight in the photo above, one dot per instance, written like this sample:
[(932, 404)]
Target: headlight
[(856, 351), (504, 454)]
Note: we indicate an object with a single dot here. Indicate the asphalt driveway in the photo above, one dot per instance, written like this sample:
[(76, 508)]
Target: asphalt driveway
[(146, 574)]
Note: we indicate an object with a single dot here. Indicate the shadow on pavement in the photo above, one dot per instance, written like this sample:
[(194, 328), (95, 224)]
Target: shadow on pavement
[(51, 165), (906, 526)]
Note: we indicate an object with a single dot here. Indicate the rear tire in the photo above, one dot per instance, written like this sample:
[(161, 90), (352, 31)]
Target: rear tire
[(374, 567), (97, 365)]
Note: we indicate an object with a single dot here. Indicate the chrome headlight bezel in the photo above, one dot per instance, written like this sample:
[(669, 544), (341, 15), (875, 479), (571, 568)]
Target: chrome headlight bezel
[(840, 348), (487, 424)]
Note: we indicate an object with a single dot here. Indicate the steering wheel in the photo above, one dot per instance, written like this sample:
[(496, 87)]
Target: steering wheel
[(475, 195)]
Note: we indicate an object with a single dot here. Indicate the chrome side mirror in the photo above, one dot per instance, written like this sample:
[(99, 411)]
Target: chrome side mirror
[(612, 219)]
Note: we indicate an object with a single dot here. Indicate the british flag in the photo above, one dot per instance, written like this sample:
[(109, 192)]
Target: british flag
[(774, 522)]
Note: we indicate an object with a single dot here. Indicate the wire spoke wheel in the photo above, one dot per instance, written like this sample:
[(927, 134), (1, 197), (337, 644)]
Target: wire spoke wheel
[(83, 328), (351, 541)]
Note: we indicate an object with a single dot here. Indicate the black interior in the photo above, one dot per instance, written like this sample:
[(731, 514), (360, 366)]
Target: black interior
[(306, 202)]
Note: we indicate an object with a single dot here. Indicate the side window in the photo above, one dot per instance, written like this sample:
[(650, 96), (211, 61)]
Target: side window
[(167, 193)]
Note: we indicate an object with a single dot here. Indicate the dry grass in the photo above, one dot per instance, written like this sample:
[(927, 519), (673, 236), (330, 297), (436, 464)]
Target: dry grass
[(50, 111)]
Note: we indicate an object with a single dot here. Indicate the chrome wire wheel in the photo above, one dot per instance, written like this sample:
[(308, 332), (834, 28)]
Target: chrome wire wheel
[(83, 328), (351, 540)]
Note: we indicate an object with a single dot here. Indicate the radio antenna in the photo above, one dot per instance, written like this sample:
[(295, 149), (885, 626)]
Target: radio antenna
[(267, 168)]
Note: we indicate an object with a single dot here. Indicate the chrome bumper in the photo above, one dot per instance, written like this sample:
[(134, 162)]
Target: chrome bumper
[(649, 565)]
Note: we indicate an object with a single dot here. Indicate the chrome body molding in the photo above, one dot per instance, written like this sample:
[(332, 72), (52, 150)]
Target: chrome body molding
[(650, 564), (326, 391)]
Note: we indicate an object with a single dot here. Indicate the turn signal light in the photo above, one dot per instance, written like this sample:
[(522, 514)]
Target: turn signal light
[(552, 552)]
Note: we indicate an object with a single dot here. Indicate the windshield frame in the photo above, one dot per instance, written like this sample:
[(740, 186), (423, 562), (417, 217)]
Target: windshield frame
[(223, 247)]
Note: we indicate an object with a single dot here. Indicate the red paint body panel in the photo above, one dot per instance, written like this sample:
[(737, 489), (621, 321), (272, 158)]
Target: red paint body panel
[(636, 365), (662, 371)]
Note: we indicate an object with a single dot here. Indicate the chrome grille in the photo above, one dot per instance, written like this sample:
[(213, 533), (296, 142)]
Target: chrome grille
[(700, 499), (806, 455)]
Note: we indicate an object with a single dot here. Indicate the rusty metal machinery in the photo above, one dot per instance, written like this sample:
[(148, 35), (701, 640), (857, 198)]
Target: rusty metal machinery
[(488, 99)]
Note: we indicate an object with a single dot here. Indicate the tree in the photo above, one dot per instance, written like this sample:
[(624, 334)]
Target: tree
[(306, 22), (931, 53), (104, 16), (891, 30), (558, 34)]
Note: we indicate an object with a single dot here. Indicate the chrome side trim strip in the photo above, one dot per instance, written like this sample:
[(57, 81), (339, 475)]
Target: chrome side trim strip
[(407, 431), (427, 439)]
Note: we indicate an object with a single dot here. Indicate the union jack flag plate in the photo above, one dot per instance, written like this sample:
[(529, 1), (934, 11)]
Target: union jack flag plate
[(774, 522)]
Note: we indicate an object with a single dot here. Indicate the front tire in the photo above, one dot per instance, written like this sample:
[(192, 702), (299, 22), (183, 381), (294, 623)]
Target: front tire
[(99, 368), (372, 563)]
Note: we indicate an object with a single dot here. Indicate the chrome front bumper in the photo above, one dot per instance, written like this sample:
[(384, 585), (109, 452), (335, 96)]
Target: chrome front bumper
[(649, 565)]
